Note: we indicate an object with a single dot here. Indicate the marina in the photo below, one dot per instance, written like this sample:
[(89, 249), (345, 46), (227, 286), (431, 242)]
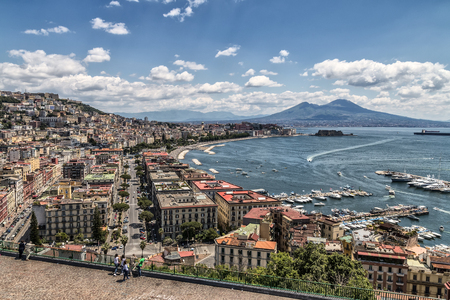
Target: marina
[(427, 183)]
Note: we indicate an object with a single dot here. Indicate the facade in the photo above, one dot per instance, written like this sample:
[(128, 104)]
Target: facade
[(244, 249), (178, 208), (426, 281), (73, 217), (74, 169), (234, 205), (386, 266)]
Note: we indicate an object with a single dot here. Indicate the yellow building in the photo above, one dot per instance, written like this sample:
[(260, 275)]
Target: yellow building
[(10, 199), (34, 163), (347, 245), (426, 281)]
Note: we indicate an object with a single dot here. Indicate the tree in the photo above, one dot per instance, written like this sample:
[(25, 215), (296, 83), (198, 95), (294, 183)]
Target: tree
[(97, 233), (144, 203), (342, 270), (34, 233), (190, 229), (167, 241), (123, 194), (146, 217), (179, 238), (105, 248), (137, 161), (281, 265), (126, 167), (311, 261), (92, 142), (139, 174), (210, 234), (126, 177), (121, 207), (138, 168), (125, 185), (62, 236), (142, 245), (124, 241)]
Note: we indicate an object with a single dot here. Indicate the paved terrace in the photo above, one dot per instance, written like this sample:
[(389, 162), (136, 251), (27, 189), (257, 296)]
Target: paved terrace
[(41, 280)]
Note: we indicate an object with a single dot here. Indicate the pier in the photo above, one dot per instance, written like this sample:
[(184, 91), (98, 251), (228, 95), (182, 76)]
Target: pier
[(196, 161), (427, 183)]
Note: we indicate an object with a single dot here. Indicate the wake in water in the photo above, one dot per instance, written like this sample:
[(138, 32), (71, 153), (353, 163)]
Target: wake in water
[(441, 210), (310, 158)]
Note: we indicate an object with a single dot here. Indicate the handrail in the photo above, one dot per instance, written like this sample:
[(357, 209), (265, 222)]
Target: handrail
[(224, 274)]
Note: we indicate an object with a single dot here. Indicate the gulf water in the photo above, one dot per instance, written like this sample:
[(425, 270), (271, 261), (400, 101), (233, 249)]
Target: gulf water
[(309, 162)]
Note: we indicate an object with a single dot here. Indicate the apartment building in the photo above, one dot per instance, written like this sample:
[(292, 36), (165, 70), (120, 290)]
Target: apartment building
[(74, 169), (427, 281), (386, 265), (210, 188), (244, 248), (234, 205), (177, 208)]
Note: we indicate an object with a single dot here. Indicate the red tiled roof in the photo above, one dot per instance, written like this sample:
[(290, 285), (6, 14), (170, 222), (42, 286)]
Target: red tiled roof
[(206, 185), (440, 266), (186, 253), (253, 197)]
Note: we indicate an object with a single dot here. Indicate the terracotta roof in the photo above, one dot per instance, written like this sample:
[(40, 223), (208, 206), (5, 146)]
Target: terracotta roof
[(216, 185), (375, 254), (440, 266), (247, 197), (445, 260), (186, 253)]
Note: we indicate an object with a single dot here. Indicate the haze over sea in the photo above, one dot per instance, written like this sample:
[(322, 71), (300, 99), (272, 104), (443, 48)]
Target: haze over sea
[(356, 157)]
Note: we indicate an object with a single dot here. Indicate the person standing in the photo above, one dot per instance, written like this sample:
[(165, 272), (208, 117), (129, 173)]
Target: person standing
[(28, 250), (132, 264), (125, 271), (21, 249), (116, 263), (140, 265), (122, 264)]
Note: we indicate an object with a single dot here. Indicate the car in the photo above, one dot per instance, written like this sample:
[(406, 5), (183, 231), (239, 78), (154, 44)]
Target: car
[(142, 237), (8, 230), (126, 221), (121, 247), (142, 230), (114, 248)]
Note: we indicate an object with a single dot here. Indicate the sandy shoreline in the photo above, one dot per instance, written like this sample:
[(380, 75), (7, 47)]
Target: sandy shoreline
[(181, 152)]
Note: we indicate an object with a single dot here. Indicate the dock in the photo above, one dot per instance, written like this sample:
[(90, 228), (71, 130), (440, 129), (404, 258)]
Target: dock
[(196, 161), (214, 171), (436, 185)]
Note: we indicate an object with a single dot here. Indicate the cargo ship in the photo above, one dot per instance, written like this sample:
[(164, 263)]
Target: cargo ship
[(431, 132)]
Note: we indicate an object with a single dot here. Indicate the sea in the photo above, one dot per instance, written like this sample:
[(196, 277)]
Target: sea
[(306, 163)]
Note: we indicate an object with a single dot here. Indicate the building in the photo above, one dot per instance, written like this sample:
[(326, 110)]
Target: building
[(69, 216), (426, 281), (210, 188), (331, 229), (177, 208), (3, 209), (244, 249), (190, 175), (74, 169), (234, 205), (386, 266)]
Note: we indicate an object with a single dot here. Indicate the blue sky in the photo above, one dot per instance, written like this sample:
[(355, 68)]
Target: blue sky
[(248, 57)]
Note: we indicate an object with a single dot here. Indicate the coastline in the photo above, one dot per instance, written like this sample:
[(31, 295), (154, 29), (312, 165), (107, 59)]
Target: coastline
[(181, 152)]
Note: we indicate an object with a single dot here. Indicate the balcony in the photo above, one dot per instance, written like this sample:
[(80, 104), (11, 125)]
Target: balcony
[(400, 275), (399, 283)]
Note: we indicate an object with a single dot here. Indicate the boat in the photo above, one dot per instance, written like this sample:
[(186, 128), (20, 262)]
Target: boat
[(401, 178), (322, 198), (441, 228), (339, 173), (289, 201), (319, 204), (387, 187), (419, 238), (238, 169), (344, 194), (435, 234), (275, 170), (244, 173), (315, 192), (335, 196), (391, 192), (413, 217)]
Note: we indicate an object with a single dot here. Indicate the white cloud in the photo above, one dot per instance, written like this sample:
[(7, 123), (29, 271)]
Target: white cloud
[(277, 60), (196, 3), (231, 74), (314, 87), (305, 74), (133, 0), (231, 51), (113, 28), (250, 72), (168, 1), (190, 65), (259, 81), (162, 73), (113, 4), (284, 53), (178, 13), (241, 63), (340, 82), (58, 29), (133, 75), (103, 72), (280, 59), (97, 55), (219, 87), (265, 72)]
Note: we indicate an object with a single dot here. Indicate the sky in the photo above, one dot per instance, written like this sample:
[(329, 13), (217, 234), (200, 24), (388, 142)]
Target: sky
[(248, 57)]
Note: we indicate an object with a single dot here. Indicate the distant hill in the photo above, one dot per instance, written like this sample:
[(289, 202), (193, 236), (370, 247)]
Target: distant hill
[(185, 116), (342, 112)]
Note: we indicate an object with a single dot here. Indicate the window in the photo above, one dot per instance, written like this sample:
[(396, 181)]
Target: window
[(427, 279), (390, 270), (370, 268), (258, 262), (427, 290), (223, 250), (249, 261), (240, 252), (370, 276), (258, 254), (240, 261), (231, 251), (439, 280), (389, 278), (379, 277), (268, 255), (379, 286), (389, 288), (399, 271), (380, 268), (439, 291), (414, 277), (223, 259), (231, 260), (414, 288)]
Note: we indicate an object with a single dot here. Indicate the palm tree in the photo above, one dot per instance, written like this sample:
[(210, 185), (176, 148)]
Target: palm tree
[(124, 241), (142, 246)]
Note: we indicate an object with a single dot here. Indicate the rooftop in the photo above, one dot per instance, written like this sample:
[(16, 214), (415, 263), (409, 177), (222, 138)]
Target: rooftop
[(184, 199), (246, 197), (103, 176), (158, 176), (215, 185), (171, 186)]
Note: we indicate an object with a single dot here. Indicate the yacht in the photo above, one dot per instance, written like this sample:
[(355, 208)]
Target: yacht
[(387, 187), (435, 234), (322, 198), (391, 192), (319, 204), (244, 173), (339, 173), (441, 228), (289, 200), (275, 170), (419, 238), (413, 217), (335, 196), (401, 178)]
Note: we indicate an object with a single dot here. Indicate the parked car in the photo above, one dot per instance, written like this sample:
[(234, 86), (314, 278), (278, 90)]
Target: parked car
[(121, 247), (114, 248), (142, 237)]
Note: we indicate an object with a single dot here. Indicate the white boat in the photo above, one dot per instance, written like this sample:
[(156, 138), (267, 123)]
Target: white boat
[(335, 196), (339, 173), (319, 204), (289, 200), (387, 187), (419, 238), (238, 169), (435, 234), (344, 194), (441, 228), (322, 198), (244, 173), (392, 192), (275, 170)]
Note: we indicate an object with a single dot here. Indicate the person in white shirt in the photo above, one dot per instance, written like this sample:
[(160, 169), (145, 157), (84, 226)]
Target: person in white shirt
[(116, 263), (124, 260), (125, 270)]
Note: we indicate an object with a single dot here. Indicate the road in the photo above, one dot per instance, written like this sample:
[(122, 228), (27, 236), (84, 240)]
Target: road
[(19, 231)]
